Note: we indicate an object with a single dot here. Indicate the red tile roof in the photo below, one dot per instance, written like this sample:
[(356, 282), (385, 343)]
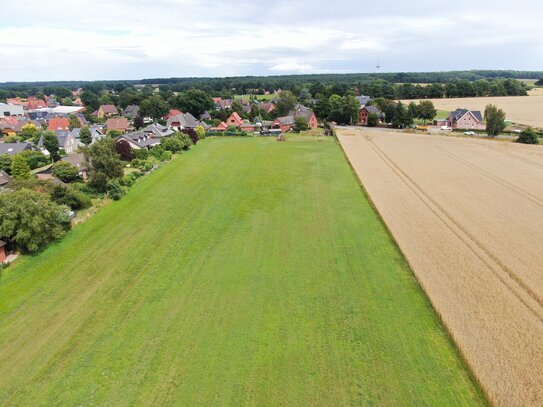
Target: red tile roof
[(58, 123), (172, 113), (118, 123)]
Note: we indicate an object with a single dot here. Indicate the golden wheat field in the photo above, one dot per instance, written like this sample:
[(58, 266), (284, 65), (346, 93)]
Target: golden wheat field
[(468, 216), (526, 110)]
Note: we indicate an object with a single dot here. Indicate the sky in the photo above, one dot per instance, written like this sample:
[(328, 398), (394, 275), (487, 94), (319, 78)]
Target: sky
[(136, 39)]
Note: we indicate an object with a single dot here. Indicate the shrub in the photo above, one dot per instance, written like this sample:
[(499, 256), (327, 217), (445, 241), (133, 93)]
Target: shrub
[(115, 190), (140, 154), (31, 220), (65, 172), (372, 120), (35, 159), (528, 136), (70, 196), (301, 124), (160, 154), (19, 168)]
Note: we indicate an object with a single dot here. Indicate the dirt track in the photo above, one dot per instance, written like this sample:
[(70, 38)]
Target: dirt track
[(468, 215)]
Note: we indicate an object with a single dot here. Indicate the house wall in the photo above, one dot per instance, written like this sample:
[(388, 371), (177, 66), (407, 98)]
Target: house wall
[(3, 254), (313, 122), (363, 116), (468, 121)]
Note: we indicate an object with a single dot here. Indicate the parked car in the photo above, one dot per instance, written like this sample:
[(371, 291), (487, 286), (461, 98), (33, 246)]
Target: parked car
[(469, 133), (446, 128)]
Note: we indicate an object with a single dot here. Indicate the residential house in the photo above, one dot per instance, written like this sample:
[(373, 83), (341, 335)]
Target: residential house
[(106, 111), (35, 103), (66, 141), (172, 113), (183, 121), (234, 120), (466, 119), (157, 131), (58, 123), (220, 128), (268, 107), (363, 100), (224, 104), (139, 140), (118, 123), (205, 116), (78, 161), (364, 114), (286, 123), (11, 110), (301, 110), (131, 112), (15, 148), (96, 133)]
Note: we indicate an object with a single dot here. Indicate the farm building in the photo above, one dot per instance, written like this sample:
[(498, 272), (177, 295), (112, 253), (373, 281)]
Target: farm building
[(466, 119), (364, 114)]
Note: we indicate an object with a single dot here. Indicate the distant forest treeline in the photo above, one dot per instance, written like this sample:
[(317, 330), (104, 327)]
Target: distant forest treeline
[(402, 85)]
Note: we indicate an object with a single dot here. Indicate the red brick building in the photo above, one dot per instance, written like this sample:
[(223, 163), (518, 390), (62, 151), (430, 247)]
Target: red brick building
[(58, 123), (364, 114)]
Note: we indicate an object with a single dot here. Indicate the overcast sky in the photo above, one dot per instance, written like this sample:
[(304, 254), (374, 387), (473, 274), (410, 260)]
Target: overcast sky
[(134, 39)]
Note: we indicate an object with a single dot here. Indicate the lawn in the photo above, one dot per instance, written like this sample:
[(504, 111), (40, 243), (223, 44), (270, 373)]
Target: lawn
[(258, 97), (244, 272)]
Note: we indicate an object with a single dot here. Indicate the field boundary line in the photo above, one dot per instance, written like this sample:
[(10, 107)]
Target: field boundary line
[(448, 333)]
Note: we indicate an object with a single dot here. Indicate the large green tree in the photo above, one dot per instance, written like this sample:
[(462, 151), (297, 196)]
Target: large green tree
[(286, 103), (193, 101), (154, 107), (50, 143), (103, 163), (31, 220), (528, 136), (85, 135), (495, 120)]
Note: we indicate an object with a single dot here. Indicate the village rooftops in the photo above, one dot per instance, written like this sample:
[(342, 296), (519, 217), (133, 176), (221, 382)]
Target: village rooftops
[(14, 148)]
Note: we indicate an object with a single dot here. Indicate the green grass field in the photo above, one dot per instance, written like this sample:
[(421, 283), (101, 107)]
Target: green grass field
[(258, 97), (245, 272)]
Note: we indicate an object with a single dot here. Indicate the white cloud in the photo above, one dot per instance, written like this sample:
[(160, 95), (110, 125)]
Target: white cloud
[(122, 39)]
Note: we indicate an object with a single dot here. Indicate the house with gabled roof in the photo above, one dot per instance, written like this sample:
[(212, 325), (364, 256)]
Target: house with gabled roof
[(66, 141), (234, 120), (15, 148), (117, 123), (131, 112), (183, 121), (466, 119), (58, 123), (364, 114), (107, 111), (157, 130)]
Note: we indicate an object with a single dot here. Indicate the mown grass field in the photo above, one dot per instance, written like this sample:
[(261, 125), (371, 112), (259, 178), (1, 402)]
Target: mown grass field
[(245, 272)]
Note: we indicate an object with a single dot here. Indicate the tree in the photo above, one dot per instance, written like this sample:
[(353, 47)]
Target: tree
[(322, 108), (373, 120), (113, 133), (286, 103), (138, 122), (67, 102), (349, 108), (85, 136), (31, 220), (154, 107), (50, 142), (103, 163), (426, 110), (124, 150), (495, 120), (193, 101), (528, 136), (539, 82), (65, 172), (29, 132), (19, 168), (5, 163), (300, 124), (200, 132), (74, 122), (35, 159)]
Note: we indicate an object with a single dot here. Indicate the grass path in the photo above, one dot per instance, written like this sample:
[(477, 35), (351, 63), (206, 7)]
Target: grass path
[(245, 272)]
